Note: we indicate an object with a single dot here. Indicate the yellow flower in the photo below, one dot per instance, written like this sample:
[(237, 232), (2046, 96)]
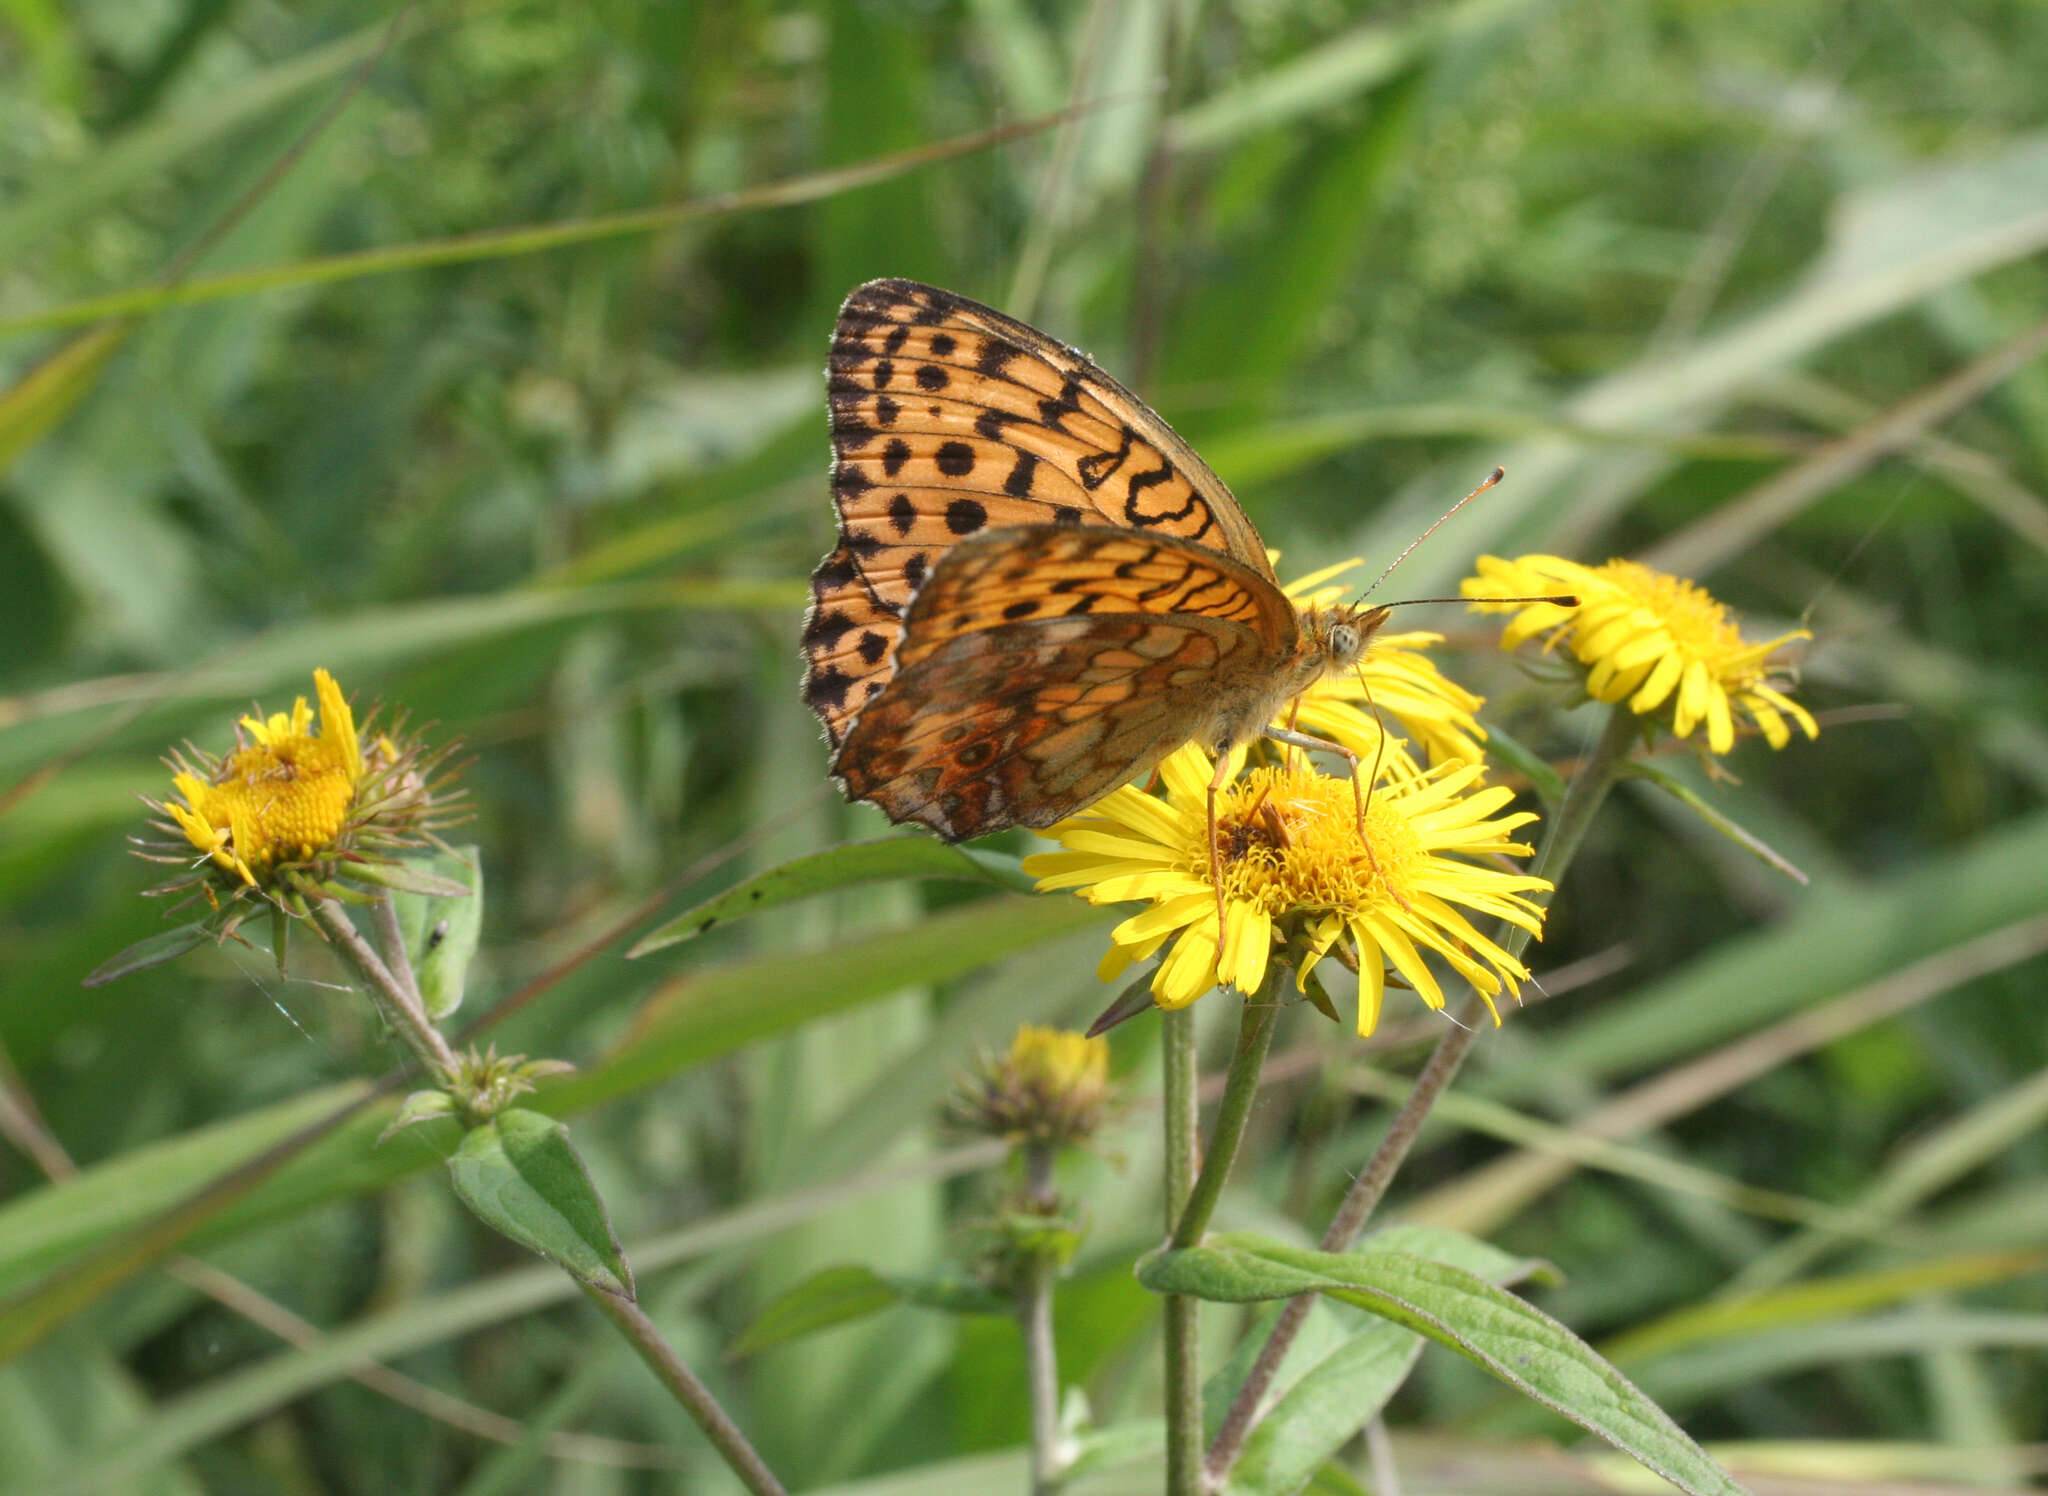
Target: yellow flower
[(282, 798), (1293, 862), (1395, 678), (292, 806), (1652, 639), (1052, 1087)]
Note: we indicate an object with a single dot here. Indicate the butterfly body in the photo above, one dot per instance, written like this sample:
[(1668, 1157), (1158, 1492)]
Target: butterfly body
[(1039, 589)]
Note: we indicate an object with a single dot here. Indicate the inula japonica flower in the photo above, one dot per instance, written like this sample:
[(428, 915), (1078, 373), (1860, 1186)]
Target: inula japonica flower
[(1663, 644), (1294, 869), (294, 807)]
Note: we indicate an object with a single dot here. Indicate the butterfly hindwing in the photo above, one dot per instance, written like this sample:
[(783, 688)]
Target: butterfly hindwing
[(1020, 724), (1045, 571)]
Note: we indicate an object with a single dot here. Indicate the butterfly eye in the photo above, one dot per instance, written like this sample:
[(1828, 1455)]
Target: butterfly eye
[(1341, 643)]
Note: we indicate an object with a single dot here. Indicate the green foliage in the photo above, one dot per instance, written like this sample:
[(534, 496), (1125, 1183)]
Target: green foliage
[(503, 403)]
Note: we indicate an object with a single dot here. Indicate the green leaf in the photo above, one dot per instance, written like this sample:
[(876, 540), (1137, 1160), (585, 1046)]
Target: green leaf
[(441, 932), (831, 1296), (1348, 1378), (168, 945), (407, 877), (49, 392), (1488, 1326), (421, 1106), (837, 867), (522, 1176), (1687, 796)]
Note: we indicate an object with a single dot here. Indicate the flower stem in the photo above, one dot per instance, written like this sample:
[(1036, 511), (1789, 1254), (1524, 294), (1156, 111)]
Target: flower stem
[(1254, 1038), (1566, 831), (1183, 1374), (1041, 1354), (392, 993), (683, 1385)]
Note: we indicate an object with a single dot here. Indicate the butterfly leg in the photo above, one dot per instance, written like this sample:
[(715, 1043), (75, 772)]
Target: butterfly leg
[(1216, 783), (1303, 740)]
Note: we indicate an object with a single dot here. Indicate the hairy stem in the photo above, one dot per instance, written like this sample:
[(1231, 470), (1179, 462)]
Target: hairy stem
[(1041, 1354), (1254, 1038), (392, 993), (1183, 1374), (1565, 833), (661, 1358)]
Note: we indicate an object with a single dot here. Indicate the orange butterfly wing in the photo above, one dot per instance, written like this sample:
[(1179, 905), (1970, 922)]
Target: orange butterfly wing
[(1001, 714), (948, 419)]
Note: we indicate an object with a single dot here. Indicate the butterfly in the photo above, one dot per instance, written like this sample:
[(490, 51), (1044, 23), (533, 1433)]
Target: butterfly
[(1039, 590)]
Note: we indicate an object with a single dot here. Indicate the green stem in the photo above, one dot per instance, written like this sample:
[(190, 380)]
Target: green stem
[(1041, 1354), (1566, 831), (392, 993), (1183, 1373), (1254, 1038), (682, 1383)]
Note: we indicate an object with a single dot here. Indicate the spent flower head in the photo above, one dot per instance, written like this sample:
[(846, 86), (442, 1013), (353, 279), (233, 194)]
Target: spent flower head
[(1665, 645), (1052, 1087), (1295, 870), (292, 808)]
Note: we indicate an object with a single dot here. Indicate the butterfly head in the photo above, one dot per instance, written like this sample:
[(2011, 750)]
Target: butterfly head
[(1341, 633)]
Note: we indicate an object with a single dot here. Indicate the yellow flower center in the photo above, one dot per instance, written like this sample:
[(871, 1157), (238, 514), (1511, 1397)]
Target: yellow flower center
[(1697, 622), (282, 800), (1288, 839)]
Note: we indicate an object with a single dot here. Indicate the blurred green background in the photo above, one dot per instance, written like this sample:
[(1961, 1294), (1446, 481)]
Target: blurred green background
[(1715, 283)]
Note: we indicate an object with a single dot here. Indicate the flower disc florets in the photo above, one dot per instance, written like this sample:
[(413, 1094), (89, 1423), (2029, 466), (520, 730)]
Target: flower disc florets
[(291, 807), (1664, 644)]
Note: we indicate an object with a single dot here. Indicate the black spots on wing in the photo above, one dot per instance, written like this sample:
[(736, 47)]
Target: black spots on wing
[(1082, 604), (1052, 412), (834, 572), (1022, 608), (955, 459), (1065, 514), (1018, 484), (854, 433), (929, 314), (942, 344), (931, 378), (902, 513), (992, 356), (826, 689), (886, 410), (898, 336), (990, 423), (825, 628), (849, 479), (884, 372), (914, 570), (862, 544), (872, 647), (965, 516), (895, 455)]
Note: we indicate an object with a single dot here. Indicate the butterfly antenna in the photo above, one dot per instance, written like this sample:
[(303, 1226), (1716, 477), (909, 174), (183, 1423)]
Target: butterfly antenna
[(1492, 478)]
